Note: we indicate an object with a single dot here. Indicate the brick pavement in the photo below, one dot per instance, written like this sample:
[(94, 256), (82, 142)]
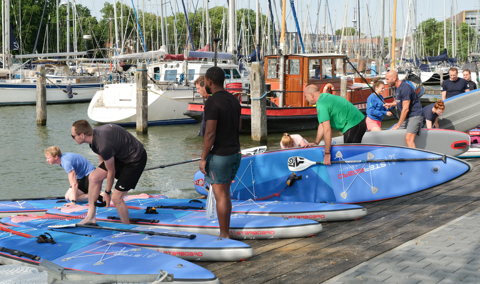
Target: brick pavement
[(448, 254)]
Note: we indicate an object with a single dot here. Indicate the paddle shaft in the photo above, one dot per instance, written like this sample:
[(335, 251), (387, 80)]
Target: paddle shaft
[(443, 158), (174, 164), (190, 236), (380, 97)]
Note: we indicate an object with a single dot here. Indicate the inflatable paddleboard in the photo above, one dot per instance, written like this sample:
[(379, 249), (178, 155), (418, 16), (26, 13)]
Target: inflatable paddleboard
[(473, 152), (241, 226), (193, 247), (39, 206), (26, 246), (323, 212), (448, 142), (461, 112), (356, 177)]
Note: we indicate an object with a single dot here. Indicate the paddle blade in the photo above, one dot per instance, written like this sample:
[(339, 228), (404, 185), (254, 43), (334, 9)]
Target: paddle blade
[(297, 164)]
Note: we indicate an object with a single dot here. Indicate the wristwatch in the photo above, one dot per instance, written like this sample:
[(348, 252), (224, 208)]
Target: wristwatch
[(109, 193)]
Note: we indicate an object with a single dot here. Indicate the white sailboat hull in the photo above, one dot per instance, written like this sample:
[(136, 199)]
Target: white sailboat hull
[(117, 104), (26, 94)]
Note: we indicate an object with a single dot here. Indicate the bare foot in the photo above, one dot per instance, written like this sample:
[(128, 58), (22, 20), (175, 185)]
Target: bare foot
[(88, 221)]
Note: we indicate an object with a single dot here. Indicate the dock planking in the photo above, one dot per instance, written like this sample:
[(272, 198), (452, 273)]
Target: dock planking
[(343, 245)]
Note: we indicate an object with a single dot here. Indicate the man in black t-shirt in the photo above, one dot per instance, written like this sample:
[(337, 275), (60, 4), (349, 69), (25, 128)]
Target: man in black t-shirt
[(453, 86), (221, 146), (467, 75), (120, 155)]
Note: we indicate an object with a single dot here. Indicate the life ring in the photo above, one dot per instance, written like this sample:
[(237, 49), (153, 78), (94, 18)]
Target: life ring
[(329, 88)]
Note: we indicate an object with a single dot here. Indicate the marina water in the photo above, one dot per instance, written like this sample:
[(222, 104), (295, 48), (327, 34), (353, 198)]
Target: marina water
[(25, 172)]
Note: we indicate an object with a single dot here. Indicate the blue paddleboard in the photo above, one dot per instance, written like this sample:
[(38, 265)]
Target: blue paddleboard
[(291, 209), (85, 254), (194, 247), (264, 177), (41, 205), (241, 226)]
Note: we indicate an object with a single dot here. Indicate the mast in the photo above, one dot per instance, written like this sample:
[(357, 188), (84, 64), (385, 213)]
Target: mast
[(162, 27), (232, 27), (68, 27), (116, 25), (6, 43), (58, 30), (393, 34), (207, 15), (281, 71), (382, 33), (343, 27), (444, 24)]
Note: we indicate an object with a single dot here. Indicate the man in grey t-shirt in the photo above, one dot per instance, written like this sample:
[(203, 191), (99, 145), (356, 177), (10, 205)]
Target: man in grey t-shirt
[(120, 155)]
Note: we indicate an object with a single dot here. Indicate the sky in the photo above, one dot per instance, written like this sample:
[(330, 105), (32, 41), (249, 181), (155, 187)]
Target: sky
[(309, 9)]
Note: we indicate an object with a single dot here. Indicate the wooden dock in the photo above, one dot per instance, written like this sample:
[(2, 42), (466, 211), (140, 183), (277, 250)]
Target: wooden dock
[(343, 245)]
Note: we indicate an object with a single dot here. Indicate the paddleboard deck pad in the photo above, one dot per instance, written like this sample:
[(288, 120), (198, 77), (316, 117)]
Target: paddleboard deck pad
[(85, 254), (323, 212), (193, 247), (241, 226), (448, 142), (264, 177)]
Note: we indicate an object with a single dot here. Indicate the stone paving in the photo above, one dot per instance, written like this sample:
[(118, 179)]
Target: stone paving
[(448, 254)]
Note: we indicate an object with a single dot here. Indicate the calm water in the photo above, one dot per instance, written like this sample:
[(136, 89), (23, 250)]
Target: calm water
[(25, 173)]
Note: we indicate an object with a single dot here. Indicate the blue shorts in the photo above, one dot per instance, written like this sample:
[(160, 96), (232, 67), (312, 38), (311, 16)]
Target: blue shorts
[(222, 169)]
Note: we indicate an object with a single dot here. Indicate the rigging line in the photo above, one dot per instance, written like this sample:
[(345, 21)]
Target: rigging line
[(240, 179)]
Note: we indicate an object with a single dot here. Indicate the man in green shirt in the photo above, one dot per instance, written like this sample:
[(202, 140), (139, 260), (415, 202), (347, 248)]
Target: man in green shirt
[(338, 113)]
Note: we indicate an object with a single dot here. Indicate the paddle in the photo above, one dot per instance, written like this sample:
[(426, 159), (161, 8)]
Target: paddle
[(174, 164), (248, 151), (151, 233), (296, 164), (380, 97)]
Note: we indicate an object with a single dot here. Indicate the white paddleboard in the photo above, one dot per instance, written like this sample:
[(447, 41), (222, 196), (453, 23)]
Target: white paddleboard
[(448, 142), (461, 112)]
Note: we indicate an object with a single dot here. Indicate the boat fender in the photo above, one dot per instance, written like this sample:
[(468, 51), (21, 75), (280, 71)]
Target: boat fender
[(329, 88), (47, 238)]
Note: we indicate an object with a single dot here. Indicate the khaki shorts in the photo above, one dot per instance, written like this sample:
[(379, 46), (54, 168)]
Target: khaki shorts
[(413, 124)]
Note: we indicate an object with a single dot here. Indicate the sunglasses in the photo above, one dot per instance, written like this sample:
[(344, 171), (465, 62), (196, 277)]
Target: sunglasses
[(73, 136)]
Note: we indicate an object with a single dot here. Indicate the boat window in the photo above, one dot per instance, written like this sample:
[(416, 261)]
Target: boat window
[(339, 66), (293, 66), (170, 75), (272, 68), (191, 74), (227, 73), (156, 71), (327, 71), (314, 71), (236, 75)]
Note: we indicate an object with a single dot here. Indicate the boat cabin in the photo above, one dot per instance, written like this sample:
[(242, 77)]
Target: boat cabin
[(319, 69)]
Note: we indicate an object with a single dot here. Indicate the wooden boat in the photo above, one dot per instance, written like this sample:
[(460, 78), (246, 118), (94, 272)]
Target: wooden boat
[(323, 70)]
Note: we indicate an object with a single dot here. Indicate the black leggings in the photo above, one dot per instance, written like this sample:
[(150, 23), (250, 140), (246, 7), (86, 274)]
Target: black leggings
[(355, 134)]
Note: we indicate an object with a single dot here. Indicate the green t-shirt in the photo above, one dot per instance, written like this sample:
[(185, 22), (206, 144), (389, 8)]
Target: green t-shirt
[(342, 114)]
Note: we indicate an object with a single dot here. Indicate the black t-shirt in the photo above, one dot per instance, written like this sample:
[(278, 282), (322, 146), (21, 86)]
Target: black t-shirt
[(428, 114), (471, 85), (225, 109), (454, 88), (406, 92), (111, 140)]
